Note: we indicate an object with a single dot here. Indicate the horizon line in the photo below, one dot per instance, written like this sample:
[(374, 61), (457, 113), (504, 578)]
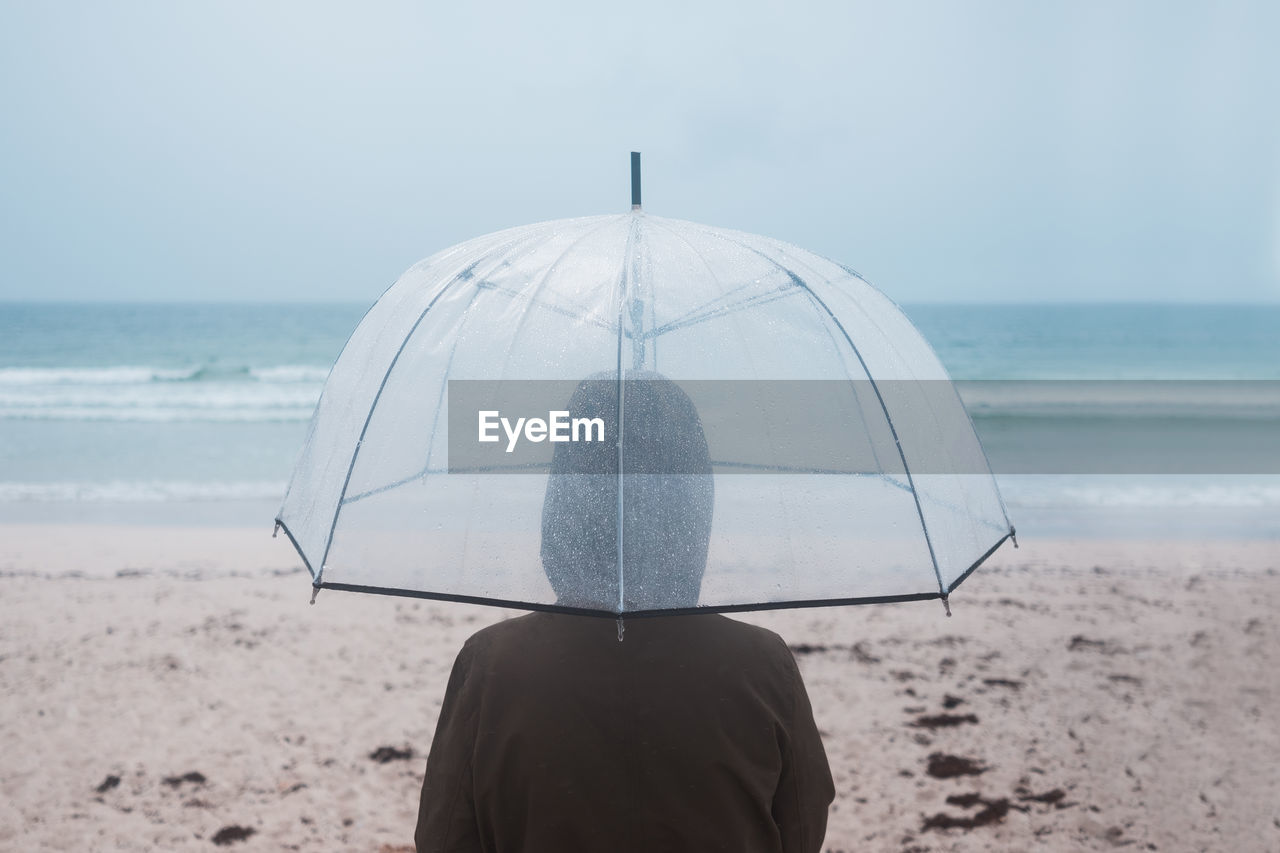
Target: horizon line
[(1272, 302)]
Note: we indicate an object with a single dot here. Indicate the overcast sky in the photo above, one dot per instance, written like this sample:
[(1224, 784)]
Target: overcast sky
[(949, 151)]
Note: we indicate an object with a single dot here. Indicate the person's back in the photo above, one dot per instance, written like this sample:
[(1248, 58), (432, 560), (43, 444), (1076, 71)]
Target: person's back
[(694, 734)]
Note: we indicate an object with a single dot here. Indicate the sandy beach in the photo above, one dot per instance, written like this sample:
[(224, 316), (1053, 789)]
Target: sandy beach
[(169, 688)]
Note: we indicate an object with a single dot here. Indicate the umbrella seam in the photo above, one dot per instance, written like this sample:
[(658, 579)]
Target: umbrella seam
[(870, 318), (733, 318), (457, 277), (452, 353), (620, 406), (924, 526), (315, 415), (979, 561), (298, 548)]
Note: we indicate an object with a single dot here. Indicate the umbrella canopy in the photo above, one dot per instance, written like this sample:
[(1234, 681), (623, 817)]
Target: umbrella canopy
[(742, 425)]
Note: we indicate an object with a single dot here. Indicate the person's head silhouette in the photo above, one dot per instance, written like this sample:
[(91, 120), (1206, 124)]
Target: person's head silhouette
[(666, 501)]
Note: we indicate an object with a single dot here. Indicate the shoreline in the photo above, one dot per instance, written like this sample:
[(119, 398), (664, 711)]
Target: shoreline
[(1050, 523), (1084, 695), (96, 549)]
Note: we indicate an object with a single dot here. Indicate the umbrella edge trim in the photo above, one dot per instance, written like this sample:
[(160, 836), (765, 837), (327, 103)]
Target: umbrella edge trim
[(633, 614), (955, 583), (280, 524)]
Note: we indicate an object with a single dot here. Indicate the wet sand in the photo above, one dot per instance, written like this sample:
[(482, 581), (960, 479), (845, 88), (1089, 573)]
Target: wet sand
[(170, 689)]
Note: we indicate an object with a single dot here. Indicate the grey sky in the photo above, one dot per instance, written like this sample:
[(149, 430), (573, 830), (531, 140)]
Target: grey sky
[(948, 151)]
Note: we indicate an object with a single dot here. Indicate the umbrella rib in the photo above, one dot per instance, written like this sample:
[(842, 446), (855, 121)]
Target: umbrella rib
[(723, 310), (441, 256), (870, 318), (546, 276), (549, 306), (924, 527), (452, 352), (710, 308), (425, 264), (759, 299), (709, 311), (622, 282), (543, 468), (464, 274)]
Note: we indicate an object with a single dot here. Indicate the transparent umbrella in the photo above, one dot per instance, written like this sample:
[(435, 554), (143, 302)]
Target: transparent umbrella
[(627, 415)]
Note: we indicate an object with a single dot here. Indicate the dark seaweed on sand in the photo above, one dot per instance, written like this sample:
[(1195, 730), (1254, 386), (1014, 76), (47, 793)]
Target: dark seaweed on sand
[(195, 777), (951, 766), (385, 754), (231, 834), (942, 721), (993, 811)]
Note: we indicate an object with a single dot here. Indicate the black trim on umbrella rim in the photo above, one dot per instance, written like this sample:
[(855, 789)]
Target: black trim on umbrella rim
[(675, 611), (280, 525), (1010, 535)]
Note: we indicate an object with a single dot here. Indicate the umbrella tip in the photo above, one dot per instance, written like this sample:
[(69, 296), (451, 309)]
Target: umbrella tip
[(635, 180)]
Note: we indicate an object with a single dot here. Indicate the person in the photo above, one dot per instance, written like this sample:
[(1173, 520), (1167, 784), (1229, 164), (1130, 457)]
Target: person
[(694, 733)]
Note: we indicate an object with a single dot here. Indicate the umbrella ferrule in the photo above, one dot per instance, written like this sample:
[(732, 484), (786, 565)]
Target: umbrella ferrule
[(315, 590), (635, 180), (946, 605), (621, 629)]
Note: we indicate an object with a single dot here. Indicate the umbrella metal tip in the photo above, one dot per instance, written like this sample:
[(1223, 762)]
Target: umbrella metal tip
[(635, 180)]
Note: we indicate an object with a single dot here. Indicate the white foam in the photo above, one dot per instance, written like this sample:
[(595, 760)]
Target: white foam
[(1155, 492), (160, 401), (151, 491), (290, 373), (1105, 399), (158, 416), (135, 375), (92, 375)]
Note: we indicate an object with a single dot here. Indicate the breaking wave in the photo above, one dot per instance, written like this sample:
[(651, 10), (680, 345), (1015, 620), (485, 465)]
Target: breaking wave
[(211, 392), (155, 491)]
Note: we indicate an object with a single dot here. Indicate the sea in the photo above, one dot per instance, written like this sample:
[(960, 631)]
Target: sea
[(194, 413)]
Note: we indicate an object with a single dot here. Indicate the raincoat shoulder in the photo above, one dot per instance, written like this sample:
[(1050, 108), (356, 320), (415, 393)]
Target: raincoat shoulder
[(695, 733)]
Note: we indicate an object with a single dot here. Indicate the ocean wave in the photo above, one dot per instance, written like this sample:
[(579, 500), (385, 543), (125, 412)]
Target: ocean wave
[(1017, 492), (156, 415), (29, 376), (152, 395), (159, 403), (1121, 400), (290, 373), (152, 491), (141, 375)]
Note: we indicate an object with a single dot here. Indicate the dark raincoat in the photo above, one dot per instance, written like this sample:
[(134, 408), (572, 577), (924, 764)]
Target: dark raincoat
[(694, 734)]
